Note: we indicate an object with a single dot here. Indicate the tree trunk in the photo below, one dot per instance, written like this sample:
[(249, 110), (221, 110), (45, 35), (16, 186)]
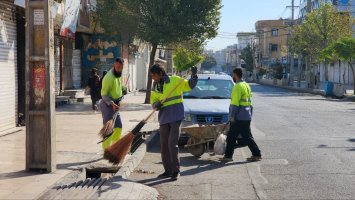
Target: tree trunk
[(353, 70), (299, 70), (149, 82)]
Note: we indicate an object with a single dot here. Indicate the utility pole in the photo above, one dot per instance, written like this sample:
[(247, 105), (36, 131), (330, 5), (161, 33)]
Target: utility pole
[(40, 101), (291, 54)]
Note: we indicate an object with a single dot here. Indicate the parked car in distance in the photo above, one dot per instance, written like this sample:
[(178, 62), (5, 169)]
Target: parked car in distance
[(208, 103)]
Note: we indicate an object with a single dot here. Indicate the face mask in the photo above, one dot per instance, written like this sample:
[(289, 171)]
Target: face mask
[(117, 74)]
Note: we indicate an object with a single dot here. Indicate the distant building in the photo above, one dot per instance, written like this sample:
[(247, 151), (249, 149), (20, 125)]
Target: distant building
[(271, 42), (220, 57), (245, 39)]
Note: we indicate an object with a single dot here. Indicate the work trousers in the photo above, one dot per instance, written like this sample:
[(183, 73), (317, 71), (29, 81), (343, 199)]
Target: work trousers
[(107, 114), (169, 138), (240, 131)]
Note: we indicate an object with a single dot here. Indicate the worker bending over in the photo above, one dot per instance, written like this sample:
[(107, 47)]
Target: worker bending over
[(171, 113)]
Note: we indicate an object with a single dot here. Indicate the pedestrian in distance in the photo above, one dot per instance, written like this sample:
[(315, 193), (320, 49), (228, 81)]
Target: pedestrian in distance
[(111, 93), (240, 116), (94, 85), (171, 113)]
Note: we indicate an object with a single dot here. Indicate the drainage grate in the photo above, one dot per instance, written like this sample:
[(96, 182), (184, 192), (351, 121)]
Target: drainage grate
[(83, 189), (94, 182)]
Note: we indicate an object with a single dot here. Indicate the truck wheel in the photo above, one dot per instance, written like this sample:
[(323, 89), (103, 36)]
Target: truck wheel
[(197, 150)]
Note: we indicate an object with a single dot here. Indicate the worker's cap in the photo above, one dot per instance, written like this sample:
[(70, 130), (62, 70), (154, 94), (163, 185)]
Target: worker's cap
[(120, 60)]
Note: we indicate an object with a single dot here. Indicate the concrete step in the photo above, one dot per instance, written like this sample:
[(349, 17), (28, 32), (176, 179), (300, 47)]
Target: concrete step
[(74, 93)]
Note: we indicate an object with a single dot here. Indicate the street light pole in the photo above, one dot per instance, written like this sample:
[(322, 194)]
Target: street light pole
[(40, 100), (291, 54)]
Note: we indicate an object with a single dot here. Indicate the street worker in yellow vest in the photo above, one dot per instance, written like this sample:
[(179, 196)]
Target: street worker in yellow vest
[(171, 113), (240, 115), (111, 93)]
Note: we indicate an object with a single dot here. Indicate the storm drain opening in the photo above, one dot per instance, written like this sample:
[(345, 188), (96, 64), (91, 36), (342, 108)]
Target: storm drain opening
[(101, 172)]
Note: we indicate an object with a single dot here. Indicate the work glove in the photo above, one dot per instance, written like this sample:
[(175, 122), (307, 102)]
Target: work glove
[(157, 105), (193, 72)]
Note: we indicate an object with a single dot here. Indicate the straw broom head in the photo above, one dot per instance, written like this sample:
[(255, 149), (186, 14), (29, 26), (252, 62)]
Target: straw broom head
[(106, 129), (117, 152)]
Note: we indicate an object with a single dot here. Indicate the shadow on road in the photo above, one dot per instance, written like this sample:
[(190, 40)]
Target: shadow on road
[(18, 174), (209, 165), (322, 99), (154, 181), (328, 147)]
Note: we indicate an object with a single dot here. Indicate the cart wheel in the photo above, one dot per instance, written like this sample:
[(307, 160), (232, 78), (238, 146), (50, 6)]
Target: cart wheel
[(197, 150)]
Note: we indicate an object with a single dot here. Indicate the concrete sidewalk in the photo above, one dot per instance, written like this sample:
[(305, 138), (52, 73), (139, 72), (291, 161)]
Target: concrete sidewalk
[(348, 96), (205, 177), (77, 129)]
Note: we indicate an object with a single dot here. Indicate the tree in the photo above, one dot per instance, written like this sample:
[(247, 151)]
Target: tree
[(163, 22), (117, 17), (344, 49), (247, 54), (208, 63), (321, 28), (184, 59)]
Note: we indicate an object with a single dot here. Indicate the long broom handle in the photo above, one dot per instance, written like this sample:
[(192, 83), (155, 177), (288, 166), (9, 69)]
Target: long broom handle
[(167, 96)]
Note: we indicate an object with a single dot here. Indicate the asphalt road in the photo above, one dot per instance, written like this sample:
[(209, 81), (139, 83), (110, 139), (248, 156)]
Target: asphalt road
[(308, 146)]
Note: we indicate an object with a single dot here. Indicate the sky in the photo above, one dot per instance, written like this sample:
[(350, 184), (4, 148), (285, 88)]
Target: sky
[(241, 15)]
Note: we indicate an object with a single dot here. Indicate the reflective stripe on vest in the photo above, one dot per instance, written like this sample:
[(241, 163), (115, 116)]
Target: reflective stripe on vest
[(176, 96), (245, 100), (173, 98)]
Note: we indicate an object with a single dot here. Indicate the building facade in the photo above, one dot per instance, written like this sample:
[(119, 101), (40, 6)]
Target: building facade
[(245, 39), (271, 42)]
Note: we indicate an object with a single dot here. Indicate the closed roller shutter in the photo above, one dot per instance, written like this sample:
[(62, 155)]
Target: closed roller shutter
[(67, 64), (8, 69), (77, 68)]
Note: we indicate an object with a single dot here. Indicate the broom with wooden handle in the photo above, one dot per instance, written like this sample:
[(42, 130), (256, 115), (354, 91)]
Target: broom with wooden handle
[(118, 151)]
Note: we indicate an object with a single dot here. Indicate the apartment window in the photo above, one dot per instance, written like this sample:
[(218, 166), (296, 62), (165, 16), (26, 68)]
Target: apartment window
[(273, 47), (274, 32)]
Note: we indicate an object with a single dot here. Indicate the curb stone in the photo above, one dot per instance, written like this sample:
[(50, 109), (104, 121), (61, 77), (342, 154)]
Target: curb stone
[(295, 89), (346, 98), (129, 166)]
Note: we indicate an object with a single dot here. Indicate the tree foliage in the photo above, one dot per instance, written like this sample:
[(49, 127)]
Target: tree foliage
[(344, 49), (184, 59), (321, 28), (161, 22), (208, 63), (247, 54)]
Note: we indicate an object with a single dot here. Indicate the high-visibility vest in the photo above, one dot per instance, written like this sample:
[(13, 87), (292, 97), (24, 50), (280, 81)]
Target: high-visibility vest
[(241, 94), (176, 96), (111, 86)]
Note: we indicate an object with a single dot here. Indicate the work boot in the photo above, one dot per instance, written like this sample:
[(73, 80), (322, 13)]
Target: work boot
[(165, 175), (226, 159), (175, 176), (254, 158)]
